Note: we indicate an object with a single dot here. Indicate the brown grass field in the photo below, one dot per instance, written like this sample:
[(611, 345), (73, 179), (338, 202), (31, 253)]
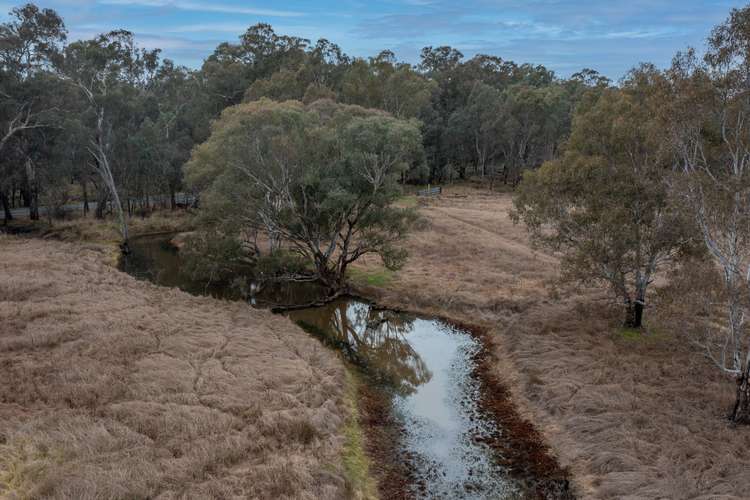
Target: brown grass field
[(114, 388), (633, 415)]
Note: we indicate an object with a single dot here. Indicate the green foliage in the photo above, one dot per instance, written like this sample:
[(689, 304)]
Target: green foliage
[(154, 112), (605, 203), (281, 262), (322, 178), (210, 256), (379, 278)]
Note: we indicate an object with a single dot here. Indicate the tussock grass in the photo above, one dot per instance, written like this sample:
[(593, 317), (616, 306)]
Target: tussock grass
[(115, 388), (90, 229)]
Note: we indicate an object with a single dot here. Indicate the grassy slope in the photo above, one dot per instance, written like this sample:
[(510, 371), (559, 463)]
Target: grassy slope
[(115, 388), (635, 416)]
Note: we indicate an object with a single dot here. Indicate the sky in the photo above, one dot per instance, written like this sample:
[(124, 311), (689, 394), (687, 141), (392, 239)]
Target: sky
[(610, 36)]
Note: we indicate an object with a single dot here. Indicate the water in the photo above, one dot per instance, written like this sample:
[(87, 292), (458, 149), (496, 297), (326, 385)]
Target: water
[(156, 259), (425, 365)]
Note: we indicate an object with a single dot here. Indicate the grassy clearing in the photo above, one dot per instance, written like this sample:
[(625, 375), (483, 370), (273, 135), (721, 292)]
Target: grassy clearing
[(653, 333), (631, 334), (408, 201), (370, 277)]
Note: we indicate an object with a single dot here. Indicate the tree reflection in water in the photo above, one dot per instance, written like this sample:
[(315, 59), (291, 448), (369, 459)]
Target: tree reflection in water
[(374, 339)]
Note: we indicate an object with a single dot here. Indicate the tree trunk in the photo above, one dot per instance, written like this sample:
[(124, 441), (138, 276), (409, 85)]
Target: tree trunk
[(101, 203), (6, 208), (172, 200), (633, 314), (34, 207), (333, 279), (33, 191), (85, 198), (741, 411)]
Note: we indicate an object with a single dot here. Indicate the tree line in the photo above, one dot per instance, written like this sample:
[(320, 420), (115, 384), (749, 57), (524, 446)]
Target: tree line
[(106, 121)]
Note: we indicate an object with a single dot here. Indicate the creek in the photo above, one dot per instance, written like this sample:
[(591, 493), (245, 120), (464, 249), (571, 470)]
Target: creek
[(424, 366)]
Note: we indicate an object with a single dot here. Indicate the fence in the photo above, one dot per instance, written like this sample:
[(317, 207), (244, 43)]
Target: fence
[(434, 191)]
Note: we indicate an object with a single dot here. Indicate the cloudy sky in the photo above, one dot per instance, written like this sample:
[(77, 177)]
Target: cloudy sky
[(565, 35)]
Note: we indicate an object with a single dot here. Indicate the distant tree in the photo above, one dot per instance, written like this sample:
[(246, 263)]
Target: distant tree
[(479, 124), (437, 61), (590, 78), (363, 82), (407, 94), (525, 114), (30, 45), (605, 202), (320, 178), (283, 85), (173, 138), (108, 70)]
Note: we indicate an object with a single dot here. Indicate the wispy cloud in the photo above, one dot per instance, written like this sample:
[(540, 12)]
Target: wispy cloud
[(564, 35), (208, 28), (641, 33), (199, 6)]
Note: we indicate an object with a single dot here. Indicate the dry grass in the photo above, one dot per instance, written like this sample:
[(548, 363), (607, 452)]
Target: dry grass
[(90, 229), (114, 388), (634, 416)]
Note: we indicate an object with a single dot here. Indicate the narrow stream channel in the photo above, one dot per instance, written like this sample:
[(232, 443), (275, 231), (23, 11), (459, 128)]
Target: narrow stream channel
[(424, 365)]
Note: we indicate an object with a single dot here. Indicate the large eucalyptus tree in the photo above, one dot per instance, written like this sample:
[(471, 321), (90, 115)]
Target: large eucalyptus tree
[(317, 180)]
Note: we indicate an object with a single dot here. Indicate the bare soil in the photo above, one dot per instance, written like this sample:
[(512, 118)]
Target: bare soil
[(631, 414), (115, 388)]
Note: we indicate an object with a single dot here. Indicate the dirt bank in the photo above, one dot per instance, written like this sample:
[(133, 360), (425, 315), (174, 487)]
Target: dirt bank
[(114, 388), (633, 416)]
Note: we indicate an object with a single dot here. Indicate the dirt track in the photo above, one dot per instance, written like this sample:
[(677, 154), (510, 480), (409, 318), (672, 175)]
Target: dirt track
[(114, 388), (633, 417)]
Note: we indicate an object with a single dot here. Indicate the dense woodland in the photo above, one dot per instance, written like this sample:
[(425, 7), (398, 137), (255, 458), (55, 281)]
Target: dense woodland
[(300, 142), (69, 107)]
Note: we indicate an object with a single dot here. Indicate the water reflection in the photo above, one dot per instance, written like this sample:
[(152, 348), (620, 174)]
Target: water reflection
[(376, 340), (156, 259)]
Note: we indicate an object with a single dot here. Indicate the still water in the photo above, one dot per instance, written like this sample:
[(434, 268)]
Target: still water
[(424, 365)]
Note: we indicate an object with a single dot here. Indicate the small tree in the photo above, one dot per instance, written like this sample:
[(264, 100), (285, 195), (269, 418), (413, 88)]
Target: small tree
[(321, 178), (604, 203)]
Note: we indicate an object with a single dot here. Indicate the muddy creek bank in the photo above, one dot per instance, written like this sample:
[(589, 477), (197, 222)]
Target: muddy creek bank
[(431, 411)]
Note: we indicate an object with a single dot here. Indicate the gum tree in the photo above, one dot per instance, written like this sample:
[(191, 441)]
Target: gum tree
[(318, 181), (709, 121), (604, 204), (109, 70), (30, 45)]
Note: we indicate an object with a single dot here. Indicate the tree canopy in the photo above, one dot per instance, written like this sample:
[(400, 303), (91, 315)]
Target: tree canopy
[(321, 178), (605, 202)]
